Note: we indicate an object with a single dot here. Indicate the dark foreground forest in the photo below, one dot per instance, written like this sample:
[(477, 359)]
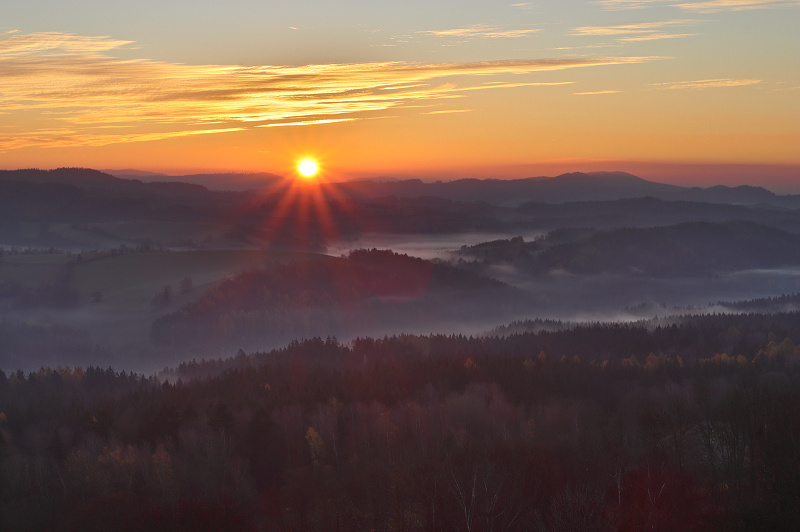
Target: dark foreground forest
[(688, 425)]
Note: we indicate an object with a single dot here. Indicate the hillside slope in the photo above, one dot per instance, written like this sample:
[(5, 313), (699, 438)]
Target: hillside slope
[(369, 290), (687, 249)]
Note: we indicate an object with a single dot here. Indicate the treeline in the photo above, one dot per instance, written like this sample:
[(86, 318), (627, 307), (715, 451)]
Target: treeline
[(408, 433), (782, 303), (688, 336), (689, 339)]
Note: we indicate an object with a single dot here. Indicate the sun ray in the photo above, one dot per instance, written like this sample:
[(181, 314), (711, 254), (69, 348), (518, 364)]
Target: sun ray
[(307, 211)]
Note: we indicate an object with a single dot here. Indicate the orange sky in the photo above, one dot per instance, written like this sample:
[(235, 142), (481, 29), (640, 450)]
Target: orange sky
[(695, 92)]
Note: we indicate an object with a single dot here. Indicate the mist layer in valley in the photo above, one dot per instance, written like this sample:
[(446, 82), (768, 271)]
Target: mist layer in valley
[(97, 270)]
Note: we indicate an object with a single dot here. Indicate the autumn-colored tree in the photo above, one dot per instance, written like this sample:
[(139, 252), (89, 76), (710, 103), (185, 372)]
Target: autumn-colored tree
[(316, 446)]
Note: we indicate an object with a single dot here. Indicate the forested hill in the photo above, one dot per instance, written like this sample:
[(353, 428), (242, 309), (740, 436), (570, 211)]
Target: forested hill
[(369, 290), (694, 248), (692, 339), (687, 249), (84, 195), (651, 211), (570, 187), (784, 303), (389, 430)]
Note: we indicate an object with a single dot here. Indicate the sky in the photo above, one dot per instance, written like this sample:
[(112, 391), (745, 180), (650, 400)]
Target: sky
[(703, 92)]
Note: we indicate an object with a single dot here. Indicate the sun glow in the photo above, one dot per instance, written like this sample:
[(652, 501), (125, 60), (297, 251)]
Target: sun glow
[(308, 168), (305, 212)]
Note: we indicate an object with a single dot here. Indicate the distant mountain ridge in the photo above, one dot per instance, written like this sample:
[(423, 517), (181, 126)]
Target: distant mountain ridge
[(569, 187), (574, 186), (89, 178), (233, 181), (81, 195), (66, 176)]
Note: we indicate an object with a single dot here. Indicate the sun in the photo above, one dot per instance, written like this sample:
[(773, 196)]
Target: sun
[(308, 168)]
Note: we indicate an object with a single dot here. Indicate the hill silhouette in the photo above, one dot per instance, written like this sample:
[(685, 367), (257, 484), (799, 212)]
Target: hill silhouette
[(570, 187), (367, 290), (78, 208), (565, 188), (687, 249), (650, 211)]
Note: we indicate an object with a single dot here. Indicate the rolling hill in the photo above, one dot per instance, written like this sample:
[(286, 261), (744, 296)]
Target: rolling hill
[(571, 187), (369, 290), (694, 248)]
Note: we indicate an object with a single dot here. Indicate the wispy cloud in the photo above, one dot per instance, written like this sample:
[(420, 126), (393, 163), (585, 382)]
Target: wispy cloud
[(66, 137), (704, 6), (69, 90), (715, 6), (589, 46), (449, 111), (635, 32), (500, 85), (25, 45), (627, 4), (638, 28), (707, 84), (480, 30), (655, 37), (309, 122), (592, 93)]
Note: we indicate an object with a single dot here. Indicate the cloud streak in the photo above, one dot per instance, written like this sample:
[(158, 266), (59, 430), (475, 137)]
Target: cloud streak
[(617, 5), (704, 6), (707, 84), (641, 31), (715, 6), (594, 93), (655, 37), (480, 30), (66, 90), (65, 138), (449, 111), (309, 122)]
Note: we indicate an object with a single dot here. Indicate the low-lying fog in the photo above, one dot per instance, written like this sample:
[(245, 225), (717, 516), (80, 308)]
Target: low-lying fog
[(612, 297), (438, 246), (567, 296), (121, 339)]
